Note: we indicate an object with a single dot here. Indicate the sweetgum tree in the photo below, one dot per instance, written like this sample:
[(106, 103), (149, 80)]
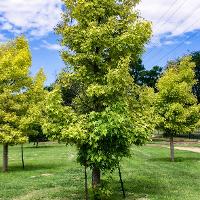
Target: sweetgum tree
[(176, 105), (109, 112), (15, 61)]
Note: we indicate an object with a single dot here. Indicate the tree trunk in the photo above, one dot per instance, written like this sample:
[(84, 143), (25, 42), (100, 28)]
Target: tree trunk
[(86, 184), (5, 157), (96, 174), (172, 148), (37, 142)]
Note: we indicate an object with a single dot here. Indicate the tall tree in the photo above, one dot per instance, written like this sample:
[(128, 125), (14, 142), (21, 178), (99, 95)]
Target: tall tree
[(102, 37), (15, 62), (176, 105)]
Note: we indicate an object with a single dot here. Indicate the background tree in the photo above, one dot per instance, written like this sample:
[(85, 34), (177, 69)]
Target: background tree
[(137, 70), (102, 40), (57, 116), (176, 105), (143, 76), (196, 87), (15, 62), (150, 77), (68, 91), (50, 87)]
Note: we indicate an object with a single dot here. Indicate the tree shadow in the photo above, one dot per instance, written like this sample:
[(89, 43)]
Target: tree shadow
[(41, 147), (176, 159), (138, 188), (34, 167)]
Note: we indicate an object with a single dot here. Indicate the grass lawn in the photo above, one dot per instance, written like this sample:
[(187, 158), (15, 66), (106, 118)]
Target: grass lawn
[(52, 173)]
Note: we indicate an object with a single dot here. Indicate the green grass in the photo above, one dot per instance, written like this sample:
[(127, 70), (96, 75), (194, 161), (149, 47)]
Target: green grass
[(52, 173)]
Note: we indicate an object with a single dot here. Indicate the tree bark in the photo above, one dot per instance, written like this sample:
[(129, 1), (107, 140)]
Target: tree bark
[(96, 175), (86, 184), (5, 157), (172, 148), (37, 142)]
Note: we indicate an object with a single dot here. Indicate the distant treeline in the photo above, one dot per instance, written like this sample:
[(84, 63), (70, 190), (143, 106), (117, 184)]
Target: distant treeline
[(189, 136), (195, 135)]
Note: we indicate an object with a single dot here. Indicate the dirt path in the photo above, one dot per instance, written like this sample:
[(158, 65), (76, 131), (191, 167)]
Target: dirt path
[(193, 149)]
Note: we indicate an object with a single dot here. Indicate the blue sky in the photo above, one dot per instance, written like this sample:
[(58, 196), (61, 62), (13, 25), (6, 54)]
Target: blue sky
[(175, 23)]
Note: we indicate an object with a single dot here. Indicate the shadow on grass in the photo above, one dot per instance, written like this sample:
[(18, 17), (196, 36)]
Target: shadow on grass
[(177, 159), (65, 193), (138, 188), (41, 147), (34, 167)]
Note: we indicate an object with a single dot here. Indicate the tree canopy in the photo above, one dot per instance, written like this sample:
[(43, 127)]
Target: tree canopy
[(32, 121), (15, 62)]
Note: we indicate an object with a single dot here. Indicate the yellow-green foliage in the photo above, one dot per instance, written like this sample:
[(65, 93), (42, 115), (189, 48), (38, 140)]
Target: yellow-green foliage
[(15, 61), (57, 116), (32, 121), (176, 105), (109, 112)]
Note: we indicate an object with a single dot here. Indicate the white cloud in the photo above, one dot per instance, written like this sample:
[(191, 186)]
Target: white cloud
[(50, 46), (169, 42), (2, 38), (36, 48), (170, 17), (38, 17), (188, 42)]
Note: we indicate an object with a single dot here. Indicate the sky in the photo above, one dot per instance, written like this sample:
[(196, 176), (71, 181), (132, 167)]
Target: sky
[(175, 24)]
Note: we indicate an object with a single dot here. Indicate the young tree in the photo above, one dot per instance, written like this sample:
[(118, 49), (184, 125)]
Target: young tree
[(15, 62), (102, 37), (31, 123), (176, 105)]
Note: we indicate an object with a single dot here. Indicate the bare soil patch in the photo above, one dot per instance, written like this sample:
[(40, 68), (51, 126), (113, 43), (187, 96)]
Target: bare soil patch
[(193, 149)]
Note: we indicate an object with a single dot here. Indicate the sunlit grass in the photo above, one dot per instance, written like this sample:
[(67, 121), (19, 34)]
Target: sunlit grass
[(51, 172)]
